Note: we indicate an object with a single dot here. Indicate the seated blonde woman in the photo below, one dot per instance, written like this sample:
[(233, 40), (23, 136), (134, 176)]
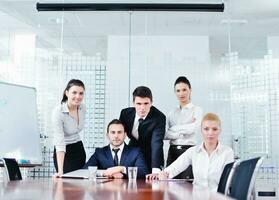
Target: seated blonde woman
[(208, 159)]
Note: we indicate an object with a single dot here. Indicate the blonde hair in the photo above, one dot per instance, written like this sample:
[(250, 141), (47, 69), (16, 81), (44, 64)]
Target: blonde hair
[(211, 117)]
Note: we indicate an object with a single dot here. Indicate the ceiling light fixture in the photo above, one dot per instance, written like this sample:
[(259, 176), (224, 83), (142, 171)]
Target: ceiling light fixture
[(190, 7)]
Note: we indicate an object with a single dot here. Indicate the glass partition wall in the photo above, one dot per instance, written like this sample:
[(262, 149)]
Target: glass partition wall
[(230, 57)]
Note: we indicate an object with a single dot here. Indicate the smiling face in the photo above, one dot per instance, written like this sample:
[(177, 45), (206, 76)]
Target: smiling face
[(116, 134), (75, 95), (142, 106), (183, 93), (211, 131)]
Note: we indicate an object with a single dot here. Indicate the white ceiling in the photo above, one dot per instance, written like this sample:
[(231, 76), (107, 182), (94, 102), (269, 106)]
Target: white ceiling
[(251, 21)]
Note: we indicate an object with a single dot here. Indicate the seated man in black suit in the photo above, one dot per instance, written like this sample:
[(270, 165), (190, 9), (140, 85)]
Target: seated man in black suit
[(146, 128), (117, 156)]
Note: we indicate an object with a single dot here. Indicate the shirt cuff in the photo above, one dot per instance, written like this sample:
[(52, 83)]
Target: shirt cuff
[(156, 170), (124, 170), (60, 148)]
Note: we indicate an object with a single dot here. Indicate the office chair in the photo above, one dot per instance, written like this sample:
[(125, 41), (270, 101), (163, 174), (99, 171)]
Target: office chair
[(243, 179), (224, 178), (12, 169)]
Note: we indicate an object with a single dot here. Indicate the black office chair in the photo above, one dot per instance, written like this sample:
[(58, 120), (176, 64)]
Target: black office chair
[(12, 169), (224, 178), (243, 179)]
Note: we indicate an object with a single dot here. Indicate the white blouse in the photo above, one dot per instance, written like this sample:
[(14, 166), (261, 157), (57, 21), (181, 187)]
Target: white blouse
[(66, 128), (181, 129), (207, 169)]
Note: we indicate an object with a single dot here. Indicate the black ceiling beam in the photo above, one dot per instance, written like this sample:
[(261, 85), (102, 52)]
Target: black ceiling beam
[(131, 7)]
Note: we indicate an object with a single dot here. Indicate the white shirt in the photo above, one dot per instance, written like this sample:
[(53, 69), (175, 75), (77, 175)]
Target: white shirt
[(181, 128), (135, 131), (207, 169), (66, 129)]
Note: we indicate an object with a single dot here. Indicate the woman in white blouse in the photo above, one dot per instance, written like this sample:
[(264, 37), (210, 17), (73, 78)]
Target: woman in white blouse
[(207, 159), (183, 124), (68, 120)]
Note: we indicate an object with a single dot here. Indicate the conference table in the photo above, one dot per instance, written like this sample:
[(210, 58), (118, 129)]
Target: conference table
[(105, 189)]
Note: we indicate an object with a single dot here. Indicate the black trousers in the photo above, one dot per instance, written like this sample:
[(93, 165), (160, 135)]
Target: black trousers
[(174, 152), (74, 157)]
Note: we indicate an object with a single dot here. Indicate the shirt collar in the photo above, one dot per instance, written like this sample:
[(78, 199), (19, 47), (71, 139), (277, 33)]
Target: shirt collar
[(65, 108), (137, 117), (187, 106), (120, 147), (201, 147)]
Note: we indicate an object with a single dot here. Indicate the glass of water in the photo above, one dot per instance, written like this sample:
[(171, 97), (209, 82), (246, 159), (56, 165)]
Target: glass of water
[(92, 173)]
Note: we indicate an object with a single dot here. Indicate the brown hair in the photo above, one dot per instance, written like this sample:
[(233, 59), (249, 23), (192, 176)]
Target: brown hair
[(116, 121)]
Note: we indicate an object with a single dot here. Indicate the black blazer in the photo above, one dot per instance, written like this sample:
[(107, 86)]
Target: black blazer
[(151, 135), (131, 157)]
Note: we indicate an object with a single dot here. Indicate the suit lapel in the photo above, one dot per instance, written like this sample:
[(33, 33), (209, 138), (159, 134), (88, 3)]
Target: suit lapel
[(124, 155), (149, 115), (131, 119), (109, 156)]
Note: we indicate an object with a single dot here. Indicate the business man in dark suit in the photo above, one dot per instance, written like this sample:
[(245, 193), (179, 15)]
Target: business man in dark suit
[(116, 157), (146, 128)]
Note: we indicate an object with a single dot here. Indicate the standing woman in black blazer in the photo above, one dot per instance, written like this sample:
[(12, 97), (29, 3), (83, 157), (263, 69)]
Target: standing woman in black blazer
[(68, 120)]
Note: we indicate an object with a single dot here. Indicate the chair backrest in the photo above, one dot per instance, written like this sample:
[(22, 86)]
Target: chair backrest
[(224, 178), (12, 169), (243, 179)]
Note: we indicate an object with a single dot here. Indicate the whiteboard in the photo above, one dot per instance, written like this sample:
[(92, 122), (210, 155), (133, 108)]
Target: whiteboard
[(19, 133)]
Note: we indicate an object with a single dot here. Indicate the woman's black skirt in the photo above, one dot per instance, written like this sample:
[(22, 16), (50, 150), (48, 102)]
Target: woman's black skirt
[(74, 157)]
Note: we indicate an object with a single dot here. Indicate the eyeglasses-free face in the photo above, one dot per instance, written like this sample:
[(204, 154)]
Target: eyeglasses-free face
[(75, 95), (142, 106), (183, 93), (211, 131)]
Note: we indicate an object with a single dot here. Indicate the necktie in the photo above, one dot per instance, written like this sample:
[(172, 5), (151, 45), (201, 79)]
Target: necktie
[(115, 159), (140, 126), (140, 121)]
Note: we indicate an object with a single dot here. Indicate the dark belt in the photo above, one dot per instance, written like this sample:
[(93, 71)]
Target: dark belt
[(181, 146)]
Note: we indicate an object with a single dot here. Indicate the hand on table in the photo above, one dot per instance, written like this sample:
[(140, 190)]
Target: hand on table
[(163, 175), (153, 176), (57, 175), (110, 172)]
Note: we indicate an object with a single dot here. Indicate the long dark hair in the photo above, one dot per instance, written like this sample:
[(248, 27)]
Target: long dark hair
[(73, 82)]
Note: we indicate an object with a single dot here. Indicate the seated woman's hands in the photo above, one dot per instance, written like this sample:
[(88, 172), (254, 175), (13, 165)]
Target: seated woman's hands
[(158, 176), (163, 175), (153, 176)]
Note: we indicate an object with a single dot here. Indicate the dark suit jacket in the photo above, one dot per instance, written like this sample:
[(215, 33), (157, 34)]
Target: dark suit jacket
[(131, 157), (151, 135)]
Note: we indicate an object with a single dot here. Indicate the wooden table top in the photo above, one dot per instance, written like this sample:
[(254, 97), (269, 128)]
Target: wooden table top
[(114, 189)]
